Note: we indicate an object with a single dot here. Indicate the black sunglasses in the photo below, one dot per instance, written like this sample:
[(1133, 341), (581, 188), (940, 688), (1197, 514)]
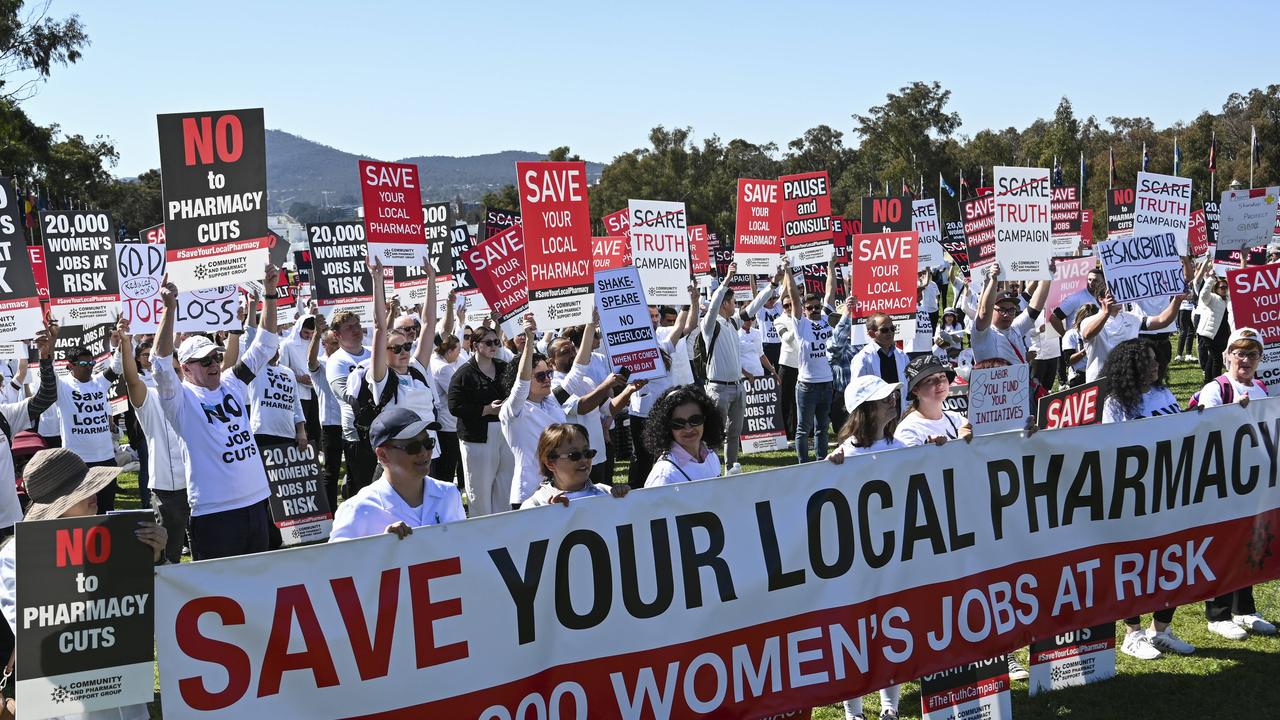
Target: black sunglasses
[(83, 363), (415, 446), (574, 456), (691, 421), (886, 329), (491, 343), (543, 376), (397, 349), (812, 308), (208, 360)]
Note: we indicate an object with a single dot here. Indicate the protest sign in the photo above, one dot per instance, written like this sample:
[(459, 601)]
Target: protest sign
[(957, 399), (463, 283), (806, 218), (1070, 275), (1073, 658), (953, 241), (213, 171), (1064, 204), (977, 689), (921, 340), (1072, 407), (617, 223), (85, 615), (758, 230), (1212, 217), (1086, 228), (1197, 235), (339, 269), (1163, 205), (886, 214), (1255, 303), (302, 263), (20, 314), (660, 249), (299, 505), (884, 277), (141, 270), (883, 568), (1247, 218), (208, 310), (979, 232), (762, 429), (36, 254), (998, 398), (1119, 211), (624, 324), (496, 220), (556, 222), (153, 235), (410, 282), (497, 266), (1138, 266), (924, 220), (73, 337), (393, 214), (610, 253), (1023, 222), (80, 263), (700, 252)]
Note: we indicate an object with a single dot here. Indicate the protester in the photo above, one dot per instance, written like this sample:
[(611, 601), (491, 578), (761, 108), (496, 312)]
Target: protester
[(1213, 326), (21, 415), (675, 328), (571, 366), (928, 385), (226, 482), (755, 363), (445, 362), (84, 414), (880, 357), (840, 353), (684, 425), (397, 378), (1187, 328), (330, 412), (404, 497), (641, 404), (1001, 326), (1044, 348), (1065, 312), (275, 416), (788, 366), (293, 355), (475, 398), (348, 329), (1113, 324), (948, 338), (1074, 350), (813, 387), (564, 454)]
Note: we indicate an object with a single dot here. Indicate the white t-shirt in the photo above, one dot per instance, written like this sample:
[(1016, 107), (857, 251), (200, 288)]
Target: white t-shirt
[(681, 370), (1010, 344), (1124, 326), (442, 373), (276, 404), (522, 424), (814, 336), (576, 382), (677, 466), (85, 414), (766, 318), (1072, 303), (378, 505), (330, 410), (1070, 346), (411, 394), (916, 429), (929, 298), (1156, 401), (1211, 394), (642, 400), (336, 368), (19, 420), (1045, 342), (546, 491), (750, 348), (880, 445), (789, 354), (166, 454)]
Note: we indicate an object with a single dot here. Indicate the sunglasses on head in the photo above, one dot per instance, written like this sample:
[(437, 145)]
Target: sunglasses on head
[(415, 446), (397, 349), (543, 376), (208, 360), (691, 421), (574, 456)]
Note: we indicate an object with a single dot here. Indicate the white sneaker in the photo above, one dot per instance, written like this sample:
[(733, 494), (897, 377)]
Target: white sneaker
[(1168, 642), (735, 469), (1228, 630), (1137, 645), (1254, 623)]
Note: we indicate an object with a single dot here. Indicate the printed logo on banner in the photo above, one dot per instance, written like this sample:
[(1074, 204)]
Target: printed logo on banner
[(660, 249), (624, 324), (1072, 407), (924, 220), (299, 505), (80, 261), (20, 314), (806, 218), (999, 398), (980, 233), (141, 268), (1120, 203), (1255, 303), (1138, 267), (1073, 658), (1023, 222), (758, 227), (761, 427), (495, 221), (1163, 204), (497, 266), (884, 278), (213, 170), (556, 220), (339, 268), (393, 212), (208, 310), (1247, 219)]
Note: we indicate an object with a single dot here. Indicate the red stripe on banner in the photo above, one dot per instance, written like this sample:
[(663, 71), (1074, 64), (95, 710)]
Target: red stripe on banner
[(84, 300), (208, 251), (818, 658), (1066, 653), (20, 304)]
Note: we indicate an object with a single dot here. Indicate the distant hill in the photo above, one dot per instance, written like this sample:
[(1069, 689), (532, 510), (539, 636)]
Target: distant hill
[(299, 170)]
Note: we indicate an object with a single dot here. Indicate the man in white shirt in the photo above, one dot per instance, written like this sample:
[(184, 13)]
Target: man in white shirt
[(84, 410), (1000, 328), (208, 409), (351, 351), (293, 355), (814, 386), (404, 497), (1113, 324), (1063, 315)]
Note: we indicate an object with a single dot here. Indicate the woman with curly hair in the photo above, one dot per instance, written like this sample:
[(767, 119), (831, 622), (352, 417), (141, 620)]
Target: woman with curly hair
[(564, 456), (683, 426)]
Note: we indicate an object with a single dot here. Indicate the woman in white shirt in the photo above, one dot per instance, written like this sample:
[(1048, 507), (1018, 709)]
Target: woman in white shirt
[(928, 384), (949, 337), (395, 359), (564, 455), (445, 361), (1074, 349), (529, 408), (683, 426)]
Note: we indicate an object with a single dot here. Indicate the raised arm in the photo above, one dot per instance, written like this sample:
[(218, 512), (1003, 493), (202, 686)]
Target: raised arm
[(1093, 324), (427, 338), (987, 300), (583, 358), (380, 320), (269, 297), (451, 315), (313, 345), (47, 394), (829, 297), (687, 320), (1040, 295), (717, 299), (132, 380), (791, 290), (763, 296)]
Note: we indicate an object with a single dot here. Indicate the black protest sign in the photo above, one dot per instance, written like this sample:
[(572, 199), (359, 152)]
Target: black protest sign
[(439, 238), (886, 214), (762, 428), (302, 263), (977, 689), (954, 243), (1211, 214), (85, 615), (80, 262), (299, 506), (460, 242), (73, 337), (213, 171), (957, 400), (20, 313), (277, 249), (1080, 405), (339, 271), (979, 216), (496, 220), (1120, 211)]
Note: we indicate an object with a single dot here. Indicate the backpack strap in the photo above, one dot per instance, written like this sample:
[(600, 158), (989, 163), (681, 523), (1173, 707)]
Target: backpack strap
[(6, 429), (1226, 391), (711, 351), (388, 391)]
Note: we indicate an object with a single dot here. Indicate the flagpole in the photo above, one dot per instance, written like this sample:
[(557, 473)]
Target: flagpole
[(1213, 174), (1111, 168), (1253, 142), (1082, 176)]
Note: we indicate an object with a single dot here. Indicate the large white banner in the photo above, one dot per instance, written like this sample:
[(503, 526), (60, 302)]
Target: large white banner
[(726, 597), (1023, 224), (1163, 204), (660, 249)]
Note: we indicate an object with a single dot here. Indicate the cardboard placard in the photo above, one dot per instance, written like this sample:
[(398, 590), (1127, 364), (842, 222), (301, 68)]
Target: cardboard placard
[(208, 310), (979, 232), (213, 169), (141, 270), (1086, 228), (610, 253), (1064, 205), (884, 277), (556, 219), (1120, 203), (85, 615), (953, 241), (463, 283), (153, 235), (80, 264), (1023, 221), (973, 690), (1212, 218), (762, 429), (1070, 276), (1255, 303), (1247, 218), (1072, 407), (393, 216), (1071, 659), (624, 324), (20, 314), (497, 220), (998, 398), (497, 266), (806, 218), (618, 223), (924, 220), (1138, 267), (298, 501), (339, 268), (886, 214), (1163, 204), (1197, 234), (660, 249), (73, 337), (700, 255), (758, 227)]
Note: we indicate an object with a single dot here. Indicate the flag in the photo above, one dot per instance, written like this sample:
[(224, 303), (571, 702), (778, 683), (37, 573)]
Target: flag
[(1057, 172), (1146, 159), (1213, 153), (1082, 172), (1112, 181), (1177, 156), (1255, 149), (906, 189), (943, 183)]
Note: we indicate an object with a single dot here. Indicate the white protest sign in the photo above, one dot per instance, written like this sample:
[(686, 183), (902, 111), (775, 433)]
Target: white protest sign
[(1138, 267), (660, 249), (924, 220), (922, 339), (208, 310), (141, 267), (974, 690), (624, 324), (1023, 222), (1163, 204), (1247, 218), (1073, 658), (998, 398)]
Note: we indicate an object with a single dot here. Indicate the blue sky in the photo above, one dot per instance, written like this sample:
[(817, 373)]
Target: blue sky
[(394, 79)]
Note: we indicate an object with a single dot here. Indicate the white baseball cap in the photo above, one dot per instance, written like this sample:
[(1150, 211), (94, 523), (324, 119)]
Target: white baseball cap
[(1247, 333), (867, 388), (195, 347)]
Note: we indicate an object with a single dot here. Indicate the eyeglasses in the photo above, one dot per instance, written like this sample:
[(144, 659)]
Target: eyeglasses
[(83, 363), (543, 376), (415, 446), (490, 343), (885, 329), (208, 360), (1246, 354), (691, 421), (812, 308), (397, 349), (1005, 310), (574, 456)]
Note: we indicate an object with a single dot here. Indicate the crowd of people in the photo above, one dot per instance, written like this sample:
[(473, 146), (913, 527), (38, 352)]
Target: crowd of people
[(443, 416)]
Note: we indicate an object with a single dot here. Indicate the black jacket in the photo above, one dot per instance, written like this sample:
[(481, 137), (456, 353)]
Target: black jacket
[(469, 393)]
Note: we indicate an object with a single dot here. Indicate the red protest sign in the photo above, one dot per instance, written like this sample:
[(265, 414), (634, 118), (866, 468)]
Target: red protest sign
[(1197, 234), (153, 235), (618, 223), (884, 274), (806, 218), (1086, 228), (1073, 407), (979, 216), (497, 268), (36, 254), (759, 226), (393, 212), (1255, 297), (557, 241), (610, 253), (700, 248)]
